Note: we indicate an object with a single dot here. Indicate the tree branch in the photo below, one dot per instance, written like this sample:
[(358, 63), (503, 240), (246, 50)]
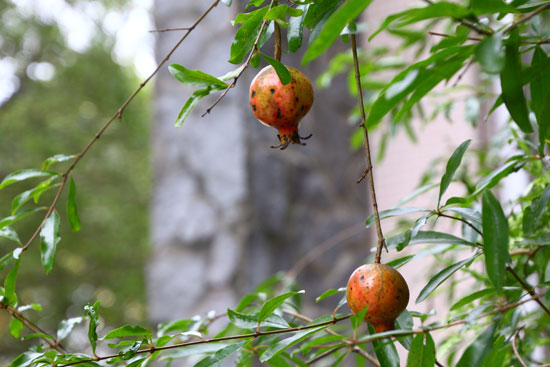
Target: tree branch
[(381, 240)]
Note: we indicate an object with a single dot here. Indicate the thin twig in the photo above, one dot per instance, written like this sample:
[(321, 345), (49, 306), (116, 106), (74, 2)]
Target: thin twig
[(381, 240), (365, 355), (50, 340), (464, 71), (515, 349), (169, 30), (539, 42), (526, 18), (324, 354), (244, 66), (213, 340), (527, 288), (363, 175), (440, 214)]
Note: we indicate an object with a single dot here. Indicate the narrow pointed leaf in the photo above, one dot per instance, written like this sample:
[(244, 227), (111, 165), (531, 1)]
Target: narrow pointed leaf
[(216, 359), (540, 94), (195, 78), (385, 351), (94, 322), (58, 158), (490, 54), (512, 85), (284, 344), (452, 166), (49, 238), (23, 175), (72, 213), (9, 283), (18, 216), (295, 29), (10, 234), (66, 326), (128, 330), (440, 277), (394, 212), (495, 238), (280, 69), (479, 349), (250, 321), (15, 328), (330, 32), (270, 306)]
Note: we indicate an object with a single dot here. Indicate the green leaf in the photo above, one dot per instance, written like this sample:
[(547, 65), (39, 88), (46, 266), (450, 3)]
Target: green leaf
[(419, 191), (10, 234), (428, 237), (532, 215), (328, 293), (394, 212), (58, 158), (356, 320), (9, 283), (494, 177), (470, 298), (481, 7), (72, 213), (18, 216), (295, 29), (431, 77), (33, 193), (270, 306), (452, 166), (66, 326), (250, 321), (15, 328), (540, 94), (490, 54), (346, 13), (216, 359), (128, 330), (495, 238), (94, 322), (194, 349), (404, 322), (49, 238), (441, 9), (280, 69), (479, 349), (227, 2), (23, 175), (195, 78), (284, 344), (385, 351), (407, 80), (512, 85), (246, 35), (278, 13), (422, 355), (440, 277), (191, 104), (397, 263)]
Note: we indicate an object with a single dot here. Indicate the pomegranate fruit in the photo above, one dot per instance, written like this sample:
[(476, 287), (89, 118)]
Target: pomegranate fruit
[(383, 289), (281, 106)]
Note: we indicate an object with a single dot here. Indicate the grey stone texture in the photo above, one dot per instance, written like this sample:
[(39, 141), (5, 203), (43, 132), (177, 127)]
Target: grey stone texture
[(229, 211)]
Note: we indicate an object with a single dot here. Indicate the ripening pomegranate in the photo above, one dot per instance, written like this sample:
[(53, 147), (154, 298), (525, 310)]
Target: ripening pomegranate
[(281, 106), (383, 289)]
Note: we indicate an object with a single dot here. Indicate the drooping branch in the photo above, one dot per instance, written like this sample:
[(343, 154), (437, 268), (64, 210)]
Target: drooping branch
[(381, 239)]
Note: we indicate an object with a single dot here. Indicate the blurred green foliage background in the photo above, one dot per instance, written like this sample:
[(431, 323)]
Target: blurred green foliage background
[(60, 114)]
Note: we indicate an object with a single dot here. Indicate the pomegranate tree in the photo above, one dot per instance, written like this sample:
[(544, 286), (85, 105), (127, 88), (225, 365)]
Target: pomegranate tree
[(279, 105)]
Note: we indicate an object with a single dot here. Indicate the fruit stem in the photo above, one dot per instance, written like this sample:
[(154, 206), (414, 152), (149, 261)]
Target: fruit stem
[(278, 48), (381, 240)]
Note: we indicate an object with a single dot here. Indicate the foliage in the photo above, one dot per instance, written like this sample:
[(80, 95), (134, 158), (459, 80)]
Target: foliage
[(503, 245), (43, 118)]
